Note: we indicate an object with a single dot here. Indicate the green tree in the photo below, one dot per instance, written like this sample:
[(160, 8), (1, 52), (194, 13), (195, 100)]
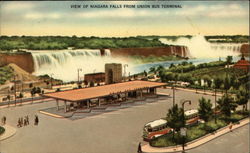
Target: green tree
[(175, 118), (172, 66), (152, 70), (205, 109), (229, 59), (226, 84), (227, 104), (242, 99)]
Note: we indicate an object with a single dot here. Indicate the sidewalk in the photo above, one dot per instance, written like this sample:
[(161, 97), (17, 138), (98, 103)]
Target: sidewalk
[(148, 149), (207, 92), (27, 102), (9, 132)]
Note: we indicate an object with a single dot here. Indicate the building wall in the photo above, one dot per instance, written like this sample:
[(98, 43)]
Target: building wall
[(95, 77), (116, 70)]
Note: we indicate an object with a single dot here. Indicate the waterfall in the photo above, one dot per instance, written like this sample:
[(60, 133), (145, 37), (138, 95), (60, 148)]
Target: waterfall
[(199, 47), (63, 64)]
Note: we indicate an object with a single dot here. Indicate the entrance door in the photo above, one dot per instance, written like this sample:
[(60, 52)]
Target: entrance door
[(110, 76)]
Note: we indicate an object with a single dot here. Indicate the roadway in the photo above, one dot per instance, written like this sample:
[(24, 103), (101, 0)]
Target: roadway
[(114, 132)]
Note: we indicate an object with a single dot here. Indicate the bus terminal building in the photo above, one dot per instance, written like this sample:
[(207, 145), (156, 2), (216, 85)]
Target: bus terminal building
[(103, 95)]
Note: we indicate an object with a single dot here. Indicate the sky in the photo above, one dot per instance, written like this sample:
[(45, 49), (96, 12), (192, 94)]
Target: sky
[(58, 18)]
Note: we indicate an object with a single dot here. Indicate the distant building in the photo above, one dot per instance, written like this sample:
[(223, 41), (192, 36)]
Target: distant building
[(242, 64), (95, 77), (113, 73)]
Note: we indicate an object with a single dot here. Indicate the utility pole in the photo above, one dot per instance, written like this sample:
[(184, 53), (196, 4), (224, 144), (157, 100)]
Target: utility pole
[(51, 80), (15, 87), (173, 95)]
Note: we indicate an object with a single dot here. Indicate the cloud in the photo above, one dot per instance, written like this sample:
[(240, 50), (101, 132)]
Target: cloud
[(17, 6), (38, 16), (227, 14), (118, 14), (215, 11)]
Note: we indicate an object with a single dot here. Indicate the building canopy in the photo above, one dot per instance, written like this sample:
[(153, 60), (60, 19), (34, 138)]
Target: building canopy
[(102, 91)]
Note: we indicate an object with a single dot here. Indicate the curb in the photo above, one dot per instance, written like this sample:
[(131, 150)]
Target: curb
[(49, 114), (207, 135)]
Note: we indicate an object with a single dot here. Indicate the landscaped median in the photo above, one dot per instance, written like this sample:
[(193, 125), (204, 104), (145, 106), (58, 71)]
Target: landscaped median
[(6, 131), (197, 134), (2, 129)]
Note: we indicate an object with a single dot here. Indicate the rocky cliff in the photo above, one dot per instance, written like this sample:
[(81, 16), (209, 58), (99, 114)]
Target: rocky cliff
[(245, 49), (181, 51), (23, 60)]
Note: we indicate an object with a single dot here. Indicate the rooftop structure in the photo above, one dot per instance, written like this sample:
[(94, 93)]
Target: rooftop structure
[(85, 95), (95, 77), (242, 64), (113, 73)]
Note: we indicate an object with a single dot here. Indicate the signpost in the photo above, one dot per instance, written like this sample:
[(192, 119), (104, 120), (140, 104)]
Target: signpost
[(183, 134)]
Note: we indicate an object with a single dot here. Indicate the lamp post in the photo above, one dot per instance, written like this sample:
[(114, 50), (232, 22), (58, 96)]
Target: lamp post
[(51, 80), (184, 130), (78, 71), (125, 65), (15, 87)]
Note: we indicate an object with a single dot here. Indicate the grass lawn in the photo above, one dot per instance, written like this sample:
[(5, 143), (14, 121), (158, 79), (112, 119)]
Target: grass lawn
[(196, 131), (1, 130), (5, 74)]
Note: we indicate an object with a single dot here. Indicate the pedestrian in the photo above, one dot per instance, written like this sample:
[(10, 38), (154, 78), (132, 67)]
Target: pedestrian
[(27, 120), (139, 148), (24, 122), (36, 120), (4, 120), (21, 121), (230, 126)]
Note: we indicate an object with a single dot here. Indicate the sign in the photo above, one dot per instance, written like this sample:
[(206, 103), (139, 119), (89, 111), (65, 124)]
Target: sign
[(183, 131)]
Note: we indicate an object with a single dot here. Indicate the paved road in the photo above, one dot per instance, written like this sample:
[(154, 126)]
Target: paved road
[(233, 142), (115, 132)]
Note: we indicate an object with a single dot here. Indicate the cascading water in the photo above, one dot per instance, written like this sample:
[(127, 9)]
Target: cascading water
[(63, 64), (199, 47)]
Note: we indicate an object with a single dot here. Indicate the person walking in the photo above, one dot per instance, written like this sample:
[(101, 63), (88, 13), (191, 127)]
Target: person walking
[(21, 121), (4, 120), (27, 120), (36, 120), (230, 126), (139, 148), (24, 122)]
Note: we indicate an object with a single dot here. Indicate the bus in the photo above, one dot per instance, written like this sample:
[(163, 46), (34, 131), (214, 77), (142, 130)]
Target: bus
[(191, 116), (155, 129)]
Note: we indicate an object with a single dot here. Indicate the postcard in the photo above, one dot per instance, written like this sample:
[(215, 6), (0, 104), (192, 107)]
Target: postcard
[(124, 76)]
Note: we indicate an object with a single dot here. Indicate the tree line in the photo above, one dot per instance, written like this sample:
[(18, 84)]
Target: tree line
[(63, 42)]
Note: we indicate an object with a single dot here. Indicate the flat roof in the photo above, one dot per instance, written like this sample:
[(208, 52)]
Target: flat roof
[(156, 123), (191, 112), (101, 91)]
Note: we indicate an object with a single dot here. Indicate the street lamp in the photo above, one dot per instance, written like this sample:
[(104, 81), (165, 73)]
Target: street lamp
[(78, 70), (184, 130), (51, 80), (125, 65)]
